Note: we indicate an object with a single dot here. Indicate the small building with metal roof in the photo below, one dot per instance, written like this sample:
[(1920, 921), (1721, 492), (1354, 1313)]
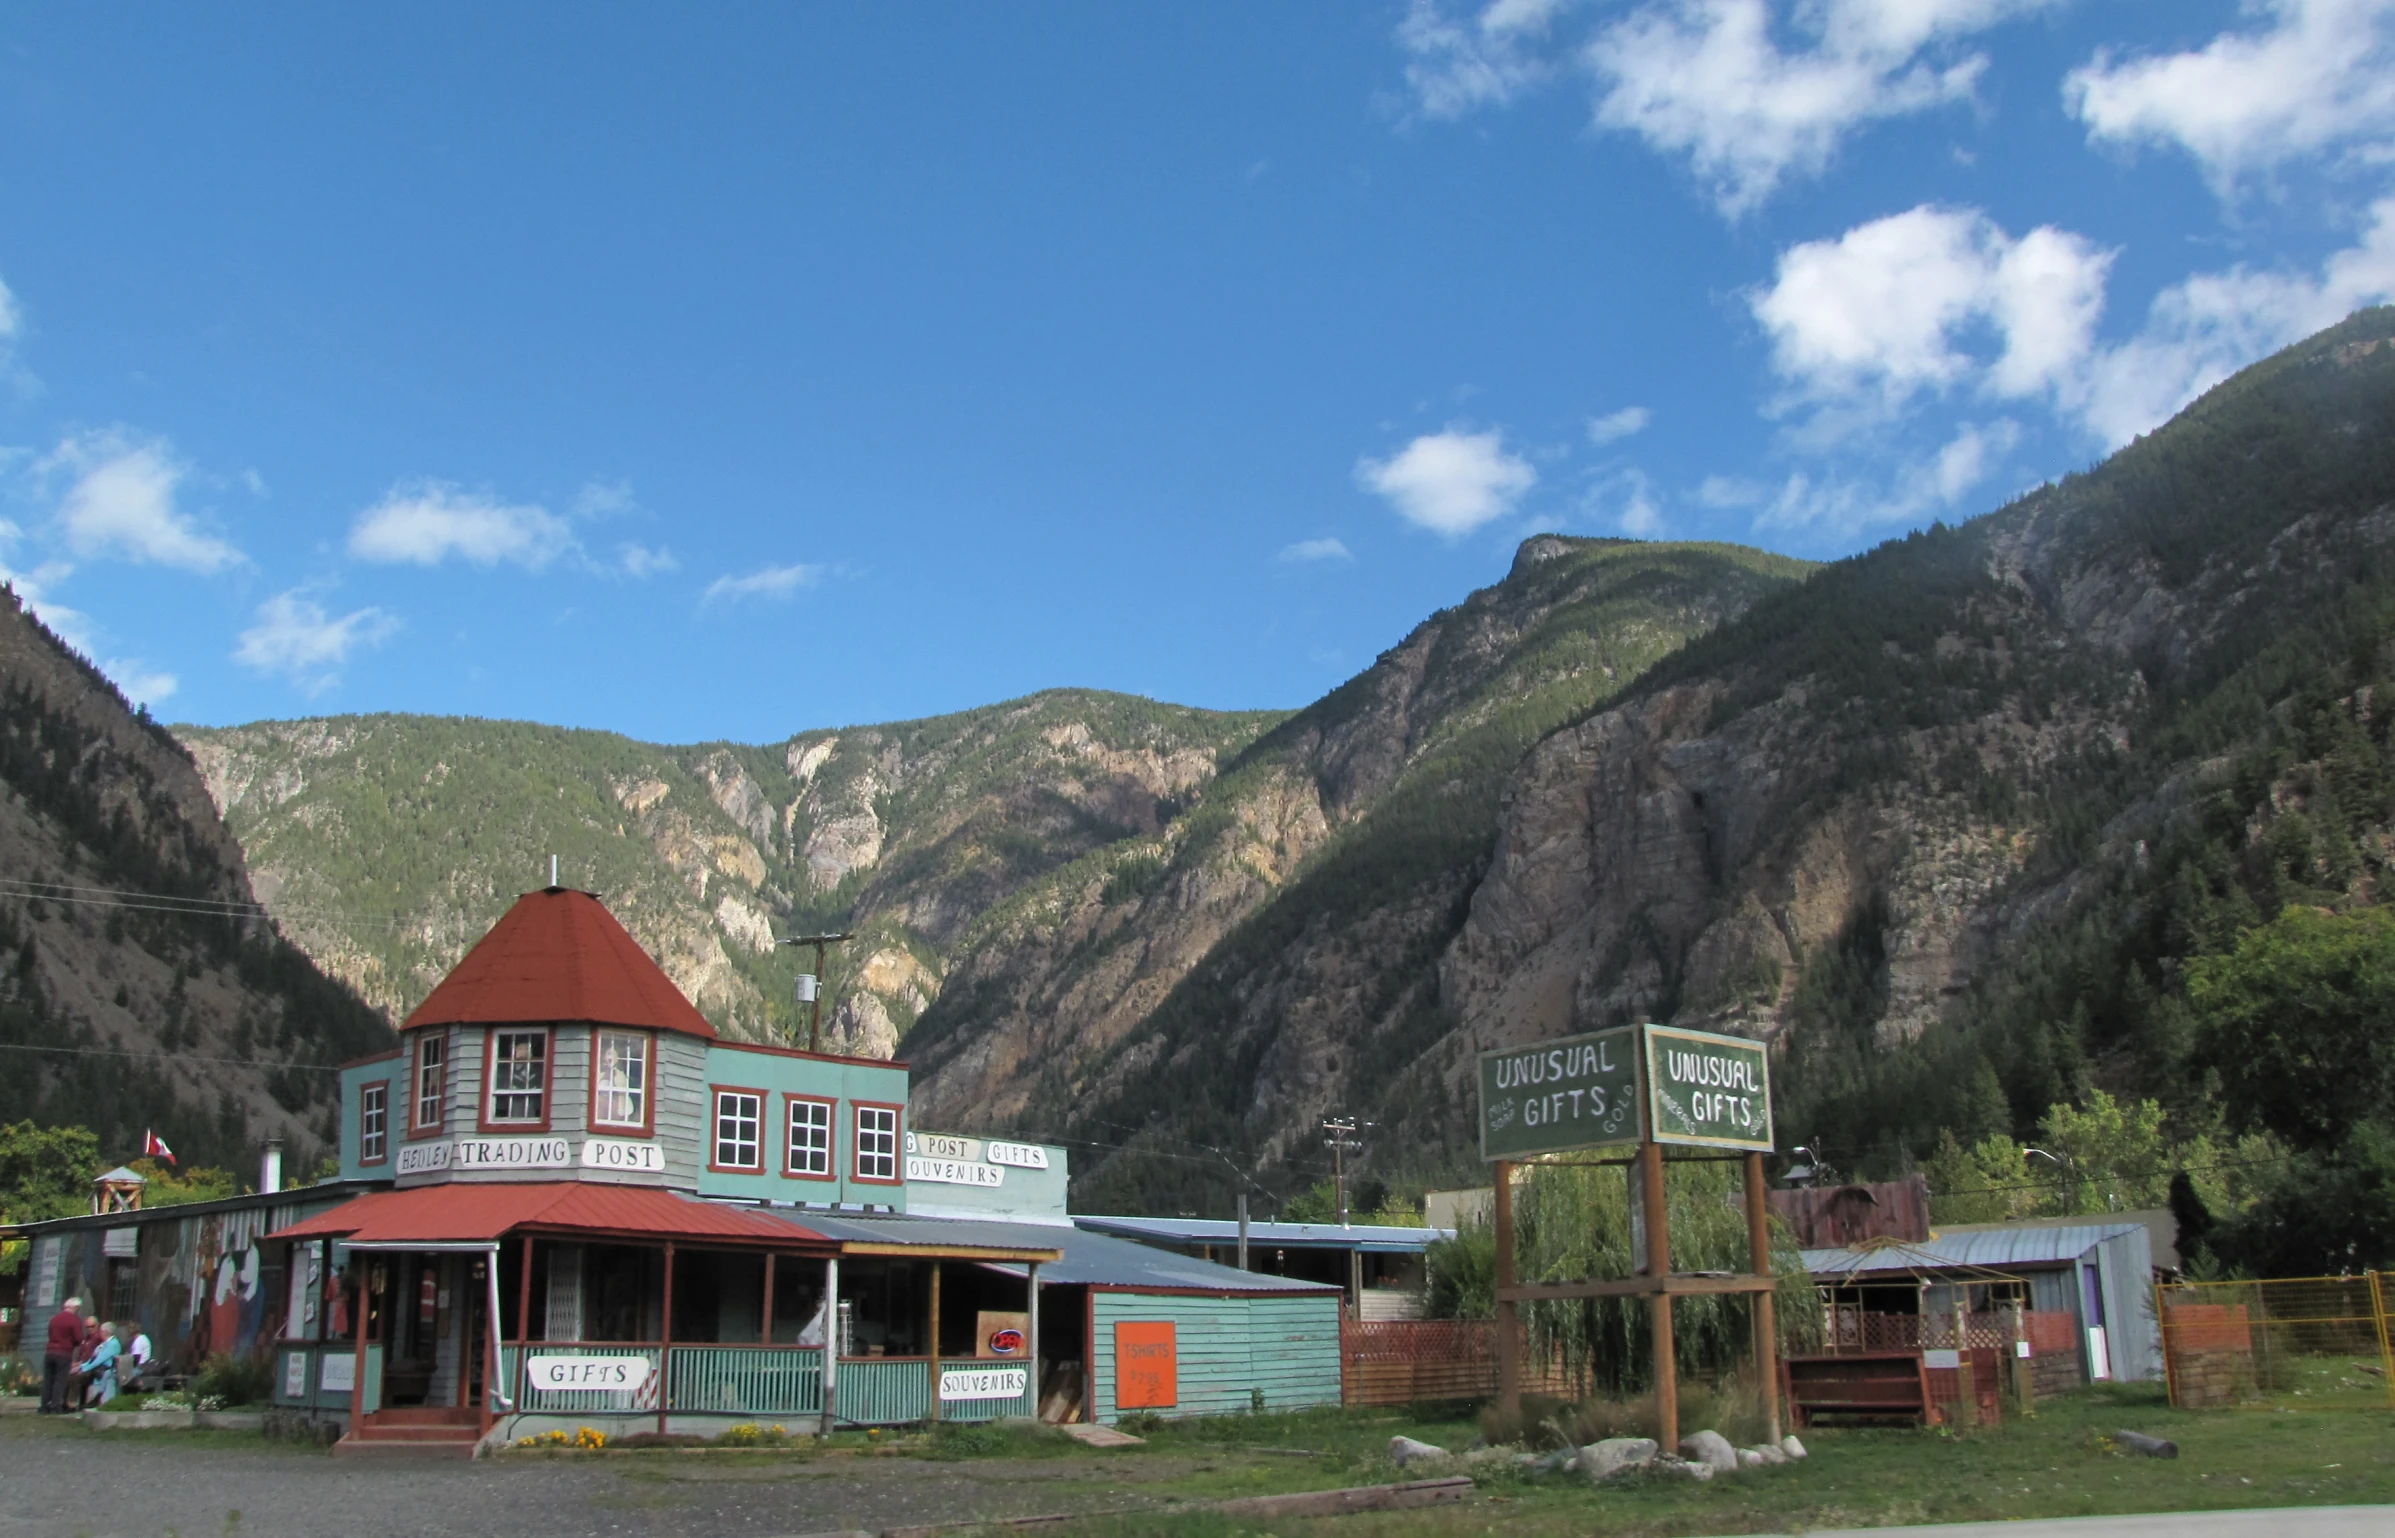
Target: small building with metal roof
[(1379, 1266)]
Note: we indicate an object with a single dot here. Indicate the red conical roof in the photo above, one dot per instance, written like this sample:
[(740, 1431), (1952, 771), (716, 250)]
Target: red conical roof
[(559, 955)]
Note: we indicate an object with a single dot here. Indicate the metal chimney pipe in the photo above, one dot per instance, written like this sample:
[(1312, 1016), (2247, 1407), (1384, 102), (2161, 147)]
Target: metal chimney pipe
[(270, 1168)]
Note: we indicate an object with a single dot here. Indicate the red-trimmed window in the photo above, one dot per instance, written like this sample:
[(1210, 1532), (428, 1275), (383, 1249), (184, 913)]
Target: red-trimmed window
[(807, 1152), (621, 1091), (431, 1081), (877, 1144), (519, 1079), (374, 1122), (739, 1130)]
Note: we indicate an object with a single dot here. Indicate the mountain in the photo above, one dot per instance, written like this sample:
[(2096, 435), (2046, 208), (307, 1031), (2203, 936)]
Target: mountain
[(387, 844), (141, 987)]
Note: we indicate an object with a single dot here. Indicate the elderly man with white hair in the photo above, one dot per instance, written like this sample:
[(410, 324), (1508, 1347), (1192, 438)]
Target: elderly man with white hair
[(59, 1351)]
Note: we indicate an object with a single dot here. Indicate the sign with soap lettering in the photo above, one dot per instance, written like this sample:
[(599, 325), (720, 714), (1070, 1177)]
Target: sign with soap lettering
[(1577, 1092), (1708, 1091)]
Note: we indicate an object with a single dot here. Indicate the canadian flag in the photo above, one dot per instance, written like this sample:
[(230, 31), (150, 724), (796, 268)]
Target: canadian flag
[(154, 1147)]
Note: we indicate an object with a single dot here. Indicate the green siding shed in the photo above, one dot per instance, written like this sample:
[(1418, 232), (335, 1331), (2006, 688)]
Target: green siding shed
[(1229, 1348)]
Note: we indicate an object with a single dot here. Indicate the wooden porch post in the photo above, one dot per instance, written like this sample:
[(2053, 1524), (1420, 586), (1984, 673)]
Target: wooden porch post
[(765, 1312), (665, 1342), (1031, 1335), (357, 1364), (831, 1343), (1509, 1364), (931, 1343), (1659, 1302), (1767, 1336)]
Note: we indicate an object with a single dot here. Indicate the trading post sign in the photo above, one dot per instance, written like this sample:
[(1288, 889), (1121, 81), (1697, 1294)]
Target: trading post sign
[(1707, 1090), (1578, 1092)]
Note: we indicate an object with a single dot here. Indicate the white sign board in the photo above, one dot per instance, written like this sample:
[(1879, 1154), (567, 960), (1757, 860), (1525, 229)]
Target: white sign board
[(512, 1153), (578, 1374), (423, 1158), (295, 1374), (940, 1145), (1946, 1361), (984, 1382), (48, 1254), (953, 1172), (1023, 1156), (340, 1373), (610, 1153)]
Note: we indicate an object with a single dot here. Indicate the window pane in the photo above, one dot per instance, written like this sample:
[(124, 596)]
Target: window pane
[(810, 1137), (431, 1054), (519, 1075), (373, 1104), (739, 1129), (877, 1143), (623, 1079)]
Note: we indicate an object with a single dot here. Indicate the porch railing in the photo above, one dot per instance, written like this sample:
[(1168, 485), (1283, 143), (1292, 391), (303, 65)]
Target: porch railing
[(747, 1380), (1018, 1407), (884, 1390), (533, 1399), (766, 1382)]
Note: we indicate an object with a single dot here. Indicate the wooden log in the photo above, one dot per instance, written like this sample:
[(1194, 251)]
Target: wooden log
[(2151, 1447), (1338, 1503)]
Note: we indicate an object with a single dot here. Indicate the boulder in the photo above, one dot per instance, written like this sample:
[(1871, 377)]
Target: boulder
[(1764, 1453), (1792, 1447), (1748, 1458), (1614, 1455), (1682, 1467), (1405, 1452), (1711, 1449)]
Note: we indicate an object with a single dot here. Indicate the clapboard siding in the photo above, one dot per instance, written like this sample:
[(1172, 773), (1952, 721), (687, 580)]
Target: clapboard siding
[(682, 1108), (1228, 1349), (569, 1082)]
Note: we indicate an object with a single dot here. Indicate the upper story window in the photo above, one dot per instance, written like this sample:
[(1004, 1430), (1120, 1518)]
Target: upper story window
[(432, 1079), (519, 1091), (374, 1123), (620, 1084), (739, 1129), (877, 1143), (808, 1153)]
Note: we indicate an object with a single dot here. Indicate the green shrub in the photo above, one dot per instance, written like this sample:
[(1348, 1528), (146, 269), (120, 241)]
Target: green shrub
[(234, 1379)]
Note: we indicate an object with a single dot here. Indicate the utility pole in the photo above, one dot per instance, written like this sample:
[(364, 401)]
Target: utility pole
[(810, 984), (1342, 1130)]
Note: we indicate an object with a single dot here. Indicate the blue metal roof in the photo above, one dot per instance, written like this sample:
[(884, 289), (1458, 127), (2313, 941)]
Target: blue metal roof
[(1098, 1259), (1987, 1249), (1371, 1238)]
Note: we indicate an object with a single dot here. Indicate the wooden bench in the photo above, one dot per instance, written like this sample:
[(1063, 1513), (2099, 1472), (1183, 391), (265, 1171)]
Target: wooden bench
[(1866, 1385)]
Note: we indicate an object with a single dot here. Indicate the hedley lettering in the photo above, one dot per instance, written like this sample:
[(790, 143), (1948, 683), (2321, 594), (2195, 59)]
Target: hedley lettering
[(1554, 1065)]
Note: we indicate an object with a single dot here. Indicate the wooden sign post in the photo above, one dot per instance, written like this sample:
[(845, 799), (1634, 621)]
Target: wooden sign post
[(1635, 1087)]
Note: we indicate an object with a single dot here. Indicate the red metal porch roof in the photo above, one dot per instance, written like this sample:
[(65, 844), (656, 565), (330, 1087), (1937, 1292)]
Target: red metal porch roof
[(559, 954), (462, 1213)]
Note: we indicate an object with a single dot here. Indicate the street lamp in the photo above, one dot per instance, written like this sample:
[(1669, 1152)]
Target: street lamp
[(809, 988)]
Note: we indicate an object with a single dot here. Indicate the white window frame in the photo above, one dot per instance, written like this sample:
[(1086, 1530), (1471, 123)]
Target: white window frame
[(509, 1081), (374, 1122), (431, 1081), (817, 1143), (736, 1129), (877, 1143), (607, 1098)]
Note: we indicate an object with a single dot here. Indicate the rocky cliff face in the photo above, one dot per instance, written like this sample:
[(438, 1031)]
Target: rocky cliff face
[(142, 986)]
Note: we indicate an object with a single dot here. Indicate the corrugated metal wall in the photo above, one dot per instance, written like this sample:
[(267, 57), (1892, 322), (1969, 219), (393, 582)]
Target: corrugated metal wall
[(1228, 1348)]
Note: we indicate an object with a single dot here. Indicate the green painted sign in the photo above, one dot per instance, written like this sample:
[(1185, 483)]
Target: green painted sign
[(1711, 1091), (1579, 1092)]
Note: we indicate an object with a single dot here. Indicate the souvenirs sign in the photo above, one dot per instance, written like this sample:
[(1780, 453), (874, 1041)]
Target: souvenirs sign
[(984, 1382), (1709, 1091), (1578, 1092)]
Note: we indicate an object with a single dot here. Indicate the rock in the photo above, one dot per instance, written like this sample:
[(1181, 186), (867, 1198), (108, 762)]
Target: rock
[(1792, 1447), (1549, 1463), (1683, 1467), (1749, 1458), (1711, 1449), (1614, 1455), (1763, 1452), (2152, 1447), (1405, 1452)]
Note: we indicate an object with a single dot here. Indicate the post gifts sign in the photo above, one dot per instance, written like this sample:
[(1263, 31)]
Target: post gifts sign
[(1577, 1092), (1709, 1091)]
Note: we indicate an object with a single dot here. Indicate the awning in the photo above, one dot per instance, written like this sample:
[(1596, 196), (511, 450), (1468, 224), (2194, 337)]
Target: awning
[(461, 1213)]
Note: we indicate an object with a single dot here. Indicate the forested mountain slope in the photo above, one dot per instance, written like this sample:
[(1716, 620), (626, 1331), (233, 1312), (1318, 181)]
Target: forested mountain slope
[(139, 986), (388, 844)]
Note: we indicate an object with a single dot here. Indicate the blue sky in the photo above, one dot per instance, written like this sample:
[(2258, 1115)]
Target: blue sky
[(719, 371)]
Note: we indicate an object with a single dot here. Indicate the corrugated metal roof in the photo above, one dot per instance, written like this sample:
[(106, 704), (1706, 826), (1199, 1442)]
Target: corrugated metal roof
[(1372, 1238), (559, 955), (1988, 1249), (1089, 1258), (458, 1212)]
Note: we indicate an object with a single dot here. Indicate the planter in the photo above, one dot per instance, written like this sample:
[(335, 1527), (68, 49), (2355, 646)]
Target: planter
[(138, 1420)]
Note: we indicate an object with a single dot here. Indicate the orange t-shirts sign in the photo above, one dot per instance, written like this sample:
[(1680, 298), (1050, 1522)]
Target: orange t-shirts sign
[(1147, 1366)]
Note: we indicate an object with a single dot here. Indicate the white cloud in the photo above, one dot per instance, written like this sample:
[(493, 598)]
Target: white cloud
[(1451, 482), (423, 523), (122, 504), (604, 499), (1926, 487), (293, 636), (1456, 65), (2200, 331), (2314, 76), (139, 682), (1709, 82), (776, 582), (1315, 550), (640, 561), (1614, 426), (1886, 310), (1641, 515)]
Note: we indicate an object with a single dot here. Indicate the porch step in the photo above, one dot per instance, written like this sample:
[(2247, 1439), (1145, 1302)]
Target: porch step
[(377, 1448), (425, 1415)]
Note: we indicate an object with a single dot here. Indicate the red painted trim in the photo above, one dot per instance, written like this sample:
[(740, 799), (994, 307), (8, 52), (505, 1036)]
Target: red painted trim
[(490, 1055), (371, 1057), (415, 1076), (856, 1149), (364, 1089), (764, 1050), (647, 1126), (831, 1129), (715, 1094), (1210, 1292)]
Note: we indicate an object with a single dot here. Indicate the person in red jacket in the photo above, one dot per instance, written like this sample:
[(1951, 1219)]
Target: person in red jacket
[(59, 1351)]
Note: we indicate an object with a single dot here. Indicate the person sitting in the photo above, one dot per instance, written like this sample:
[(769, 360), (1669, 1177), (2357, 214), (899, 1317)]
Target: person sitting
[(59, 1349), (136, 1361), (97, 1372)]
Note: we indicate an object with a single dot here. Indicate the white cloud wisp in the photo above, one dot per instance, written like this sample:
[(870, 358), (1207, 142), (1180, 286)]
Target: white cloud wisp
[(1614, 426), (1313, 552), (778, 583), (424, 523), (122, 505), (1449, 482), (293, 636)]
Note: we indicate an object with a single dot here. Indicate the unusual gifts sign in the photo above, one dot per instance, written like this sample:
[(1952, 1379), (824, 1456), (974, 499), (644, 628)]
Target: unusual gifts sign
[(1579, 1092), (1707, 1090)]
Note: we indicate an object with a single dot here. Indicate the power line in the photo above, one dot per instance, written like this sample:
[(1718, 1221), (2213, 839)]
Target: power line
[(160, 1057)]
